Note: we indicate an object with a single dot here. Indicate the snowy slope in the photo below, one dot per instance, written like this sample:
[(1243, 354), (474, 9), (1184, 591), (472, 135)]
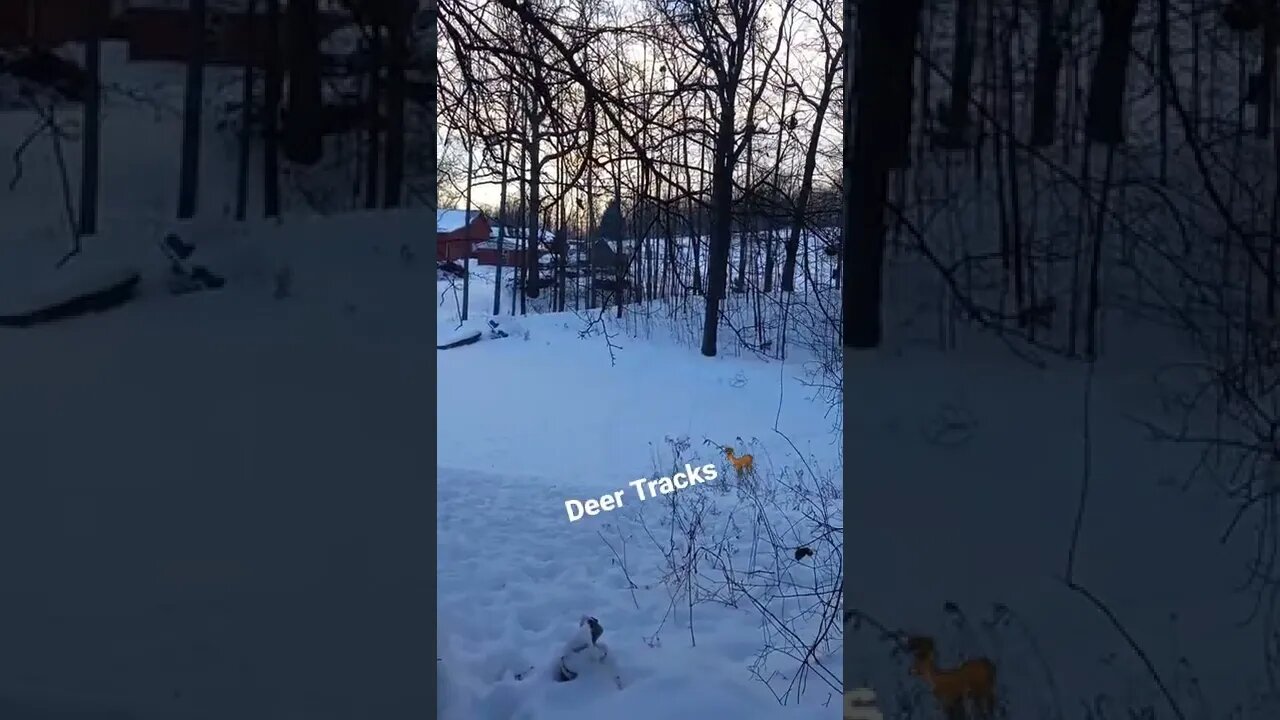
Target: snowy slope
[(973, 462), (208, 507), (514, 577), (552, 413)]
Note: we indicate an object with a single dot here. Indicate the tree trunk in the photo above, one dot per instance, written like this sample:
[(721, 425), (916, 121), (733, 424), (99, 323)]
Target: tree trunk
[(621, 267), (886, 38), (591, 237), (521, 272), (1165, 72), (397, 57), (562, 242), (189, 173), (1044, 106), (720, 233), (374, 139), (1268, 72), (502, 229), (246, 127), (466, 255), (1104, 117), (272, 82), (956, 118), (90, 143), (900, 24), (302, 134), (1092, 329), (532, 285), (1011, 158), (696, 245)]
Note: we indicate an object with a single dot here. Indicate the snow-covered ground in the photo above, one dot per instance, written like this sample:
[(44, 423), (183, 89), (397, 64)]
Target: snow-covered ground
[(200, 494), (211, 504), (969, 470), (546, 415)]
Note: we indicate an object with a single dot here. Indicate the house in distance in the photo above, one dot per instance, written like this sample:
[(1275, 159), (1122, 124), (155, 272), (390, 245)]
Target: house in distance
[(508, 245), (470, 233), (458, 232)]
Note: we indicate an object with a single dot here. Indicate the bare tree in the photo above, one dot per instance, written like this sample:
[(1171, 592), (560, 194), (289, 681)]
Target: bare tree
[(273, 83), (193, 108), (883, 75), (91, 143)]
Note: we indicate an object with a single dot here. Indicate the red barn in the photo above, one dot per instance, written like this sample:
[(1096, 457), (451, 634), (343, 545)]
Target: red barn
[(458, 232), (514, 251)]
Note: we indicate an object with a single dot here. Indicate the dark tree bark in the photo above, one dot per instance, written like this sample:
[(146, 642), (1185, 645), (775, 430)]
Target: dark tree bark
[(532, 285), (1268, 74), (91, 141), (502, 228), (397, 52), (246, 127), (620, 269), (721, 230), (1095, 262), (1011, 160), (1044, 106), (1165, 73), (1104, 116), (272, 83), (189, 173), (887, 32), (466, 254), (900, 24), (520, 273), (374, 139), (302, 133), (956, 117)]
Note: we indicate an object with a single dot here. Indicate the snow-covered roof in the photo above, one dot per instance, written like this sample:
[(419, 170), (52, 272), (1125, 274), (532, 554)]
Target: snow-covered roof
[(450, 219), (511, 232)]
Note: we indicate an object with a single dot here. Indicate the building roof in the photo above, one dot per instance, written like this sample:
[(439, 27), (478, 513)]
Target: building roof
[(450, 219), (512, 232)]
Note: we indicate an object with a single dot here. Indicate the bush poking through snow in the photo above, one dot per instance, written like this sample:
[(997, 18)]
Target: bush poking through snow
[(738, 549)]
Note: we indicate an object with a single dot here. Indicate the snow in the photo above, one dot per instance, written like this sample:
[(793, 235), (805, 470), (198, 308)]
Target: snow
[(464, 333), (211, 504), (216, 509), (973, 461), (193, 526), (510, 595), (513, 233), (546, 415), (76, 280), (449, 220)]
